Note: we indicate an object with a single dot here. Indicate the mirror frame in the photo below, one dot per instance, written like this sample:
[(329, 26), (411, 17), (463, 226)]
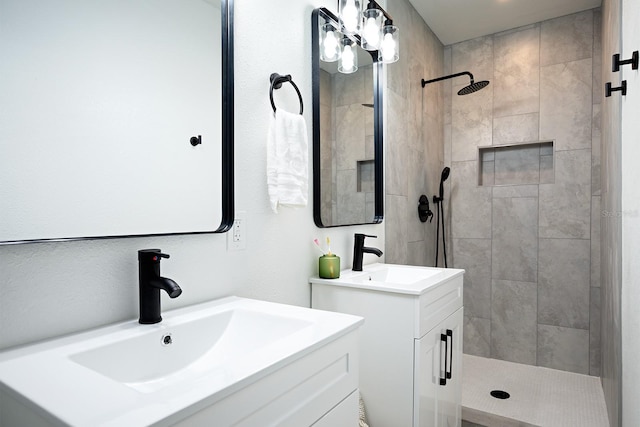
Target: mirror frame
[(323, 13), (227, 144)]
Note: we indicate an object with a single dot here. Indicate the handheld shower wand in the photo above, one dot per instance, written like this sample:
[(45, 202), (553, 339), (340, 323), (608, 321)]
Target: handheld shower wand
[(440, 218), (443, 178)]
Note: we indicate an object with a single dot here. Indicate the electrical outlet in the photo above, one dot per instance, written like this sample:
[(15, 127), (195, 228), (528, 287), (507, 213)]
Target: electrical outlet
[(236, 237)]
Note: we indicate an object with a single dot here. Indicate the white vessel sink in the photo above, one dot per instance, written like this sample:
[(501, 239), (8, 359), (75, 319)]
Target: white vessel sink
[(407, 279), (132, 374)]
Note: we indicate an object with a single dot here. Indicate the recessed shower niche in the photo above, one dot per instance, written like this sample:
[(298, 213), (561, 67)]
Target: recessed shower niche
[(516, 164)]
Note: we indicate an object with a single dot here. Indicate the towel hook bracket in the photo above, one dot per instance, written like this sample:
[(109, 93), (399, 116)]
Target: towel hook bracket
[(276, 83)]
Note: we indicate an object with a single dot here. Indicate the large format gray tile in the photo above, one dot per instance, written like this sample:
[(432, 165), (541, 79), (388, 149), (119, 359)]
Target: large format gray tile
[(349, 88), (471, 124), (565, 206), (350, 145), (517, 165), (350, 202), (513, 321), (395, 144), (565, 211), (565, 104), (572, 166), (395, 229), (474, 256), (563, 348), (417, 253), (594, 332), (595, 241), (518, 128), (515, 239), (567, 38), (477, 336), (465, 222), (563, 282), (517, 72), (509, 191), (417, 171), (596, 137), (597, 56), (475, 55)]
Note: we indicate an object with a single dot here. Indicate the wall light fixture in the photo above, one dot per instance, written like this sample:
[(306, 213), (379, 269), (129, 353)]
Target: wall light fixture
[(371, 28)]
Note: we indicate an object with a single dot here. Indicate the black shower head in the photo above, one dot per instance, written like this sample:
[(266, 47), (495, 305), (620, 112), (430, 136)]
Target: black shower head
[(473, 87)]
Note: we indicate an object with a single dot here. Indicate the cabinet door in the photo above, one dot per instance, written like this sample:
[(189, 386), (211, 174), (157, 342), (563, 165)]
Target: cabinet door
[(428, 355), (450, 394), (438, 375)]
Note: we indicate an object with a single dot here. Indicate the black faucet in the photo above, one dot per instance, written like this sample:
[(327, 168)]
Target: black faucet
[(359, 249), (150, 284)]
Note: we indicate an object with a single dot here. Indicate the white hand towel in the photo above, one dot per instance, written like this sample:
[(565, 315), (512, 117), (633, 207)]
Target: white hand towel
[(287, 160)]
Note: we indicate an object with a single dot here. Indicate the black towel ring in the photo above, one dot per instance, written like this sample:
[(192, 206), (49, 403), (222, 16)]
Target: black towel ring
[(276, 83)]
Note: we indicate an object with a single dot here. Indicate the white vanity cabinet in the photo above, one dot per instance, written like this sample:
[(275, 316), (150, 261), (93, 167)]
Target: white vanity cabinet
[(410, 343)]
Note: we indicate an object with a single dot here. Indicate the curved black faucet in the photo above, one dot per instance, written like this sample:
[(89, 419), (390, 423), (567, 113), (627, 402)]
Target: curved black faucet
[(150, 284), (359, 249)]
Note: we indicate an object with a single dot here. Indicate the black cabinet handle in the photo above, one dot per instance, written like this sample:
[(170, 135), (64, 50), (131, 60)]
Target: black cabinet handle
[(448, 373), (443, 377)]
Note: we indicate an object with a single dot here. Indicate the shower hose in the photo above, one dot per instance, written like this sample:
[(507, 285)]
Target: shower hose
[(440, 220)]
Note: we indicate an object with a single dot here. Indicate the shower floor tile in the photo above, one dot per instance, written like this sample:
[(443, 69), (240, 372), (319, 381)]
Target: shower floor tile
[(539, 396)]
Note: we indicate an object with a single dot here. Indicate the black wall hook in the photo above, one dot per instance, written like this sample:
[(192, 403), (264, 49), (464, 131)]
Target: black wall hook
[(195, 140), (616, 62), (276, 83), (622, 88)]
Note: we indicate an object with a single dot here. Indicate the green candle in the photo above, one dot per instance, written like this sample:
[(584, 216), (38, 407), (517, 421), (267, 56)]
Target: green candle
[(329, 266)]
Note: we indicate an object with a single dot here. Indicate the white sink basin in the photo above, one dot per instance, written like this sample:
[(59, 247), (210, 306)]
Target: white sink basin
[(399, 274), (406, 279), (129, 374), (152, 360)]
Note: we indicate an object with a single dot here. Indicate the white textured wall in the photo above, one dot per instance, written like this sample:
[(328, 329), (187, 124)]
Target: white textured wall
[(49, 289), (630, 219)]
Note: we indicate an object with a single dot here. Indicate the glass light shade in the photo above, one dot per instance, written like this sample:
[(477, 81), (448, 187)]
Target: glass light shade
[(372, 29), (390, 46), (329, 44), (350, 15), (348, 62)]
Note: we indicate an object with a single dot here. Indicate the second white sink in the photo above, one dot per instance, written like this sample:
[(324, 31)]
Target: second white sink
[(407, 279)]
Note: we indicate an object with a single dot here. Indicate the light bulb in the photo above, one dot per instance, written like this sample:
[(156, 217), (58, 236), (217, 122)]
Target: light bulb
[(347, 59), (388, 47), (330, 45), (349, 16), (371, 33)]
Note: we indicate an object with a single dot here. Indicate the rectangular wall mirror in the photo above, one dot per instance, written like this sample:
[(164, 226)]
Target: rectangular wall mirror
[(117, 118), (347, 136)]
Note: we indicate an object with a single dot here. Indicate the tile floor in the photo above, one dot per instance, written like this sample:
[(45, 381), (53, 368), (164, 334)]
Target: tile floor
[(539, 396)]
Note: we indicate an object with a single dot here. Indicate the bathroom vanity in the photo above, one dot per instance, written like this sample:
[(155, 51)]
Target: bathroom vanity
[(230, 362), (410, 343)]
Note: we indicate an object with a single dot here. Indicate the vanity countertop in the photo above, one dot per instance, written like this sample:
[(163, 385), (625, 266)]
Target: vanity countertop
[(402, 279)]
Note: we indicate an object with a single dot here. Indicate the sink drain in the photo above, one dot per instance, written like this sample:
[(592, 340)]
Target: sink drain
[(500, 394), (167, 340)]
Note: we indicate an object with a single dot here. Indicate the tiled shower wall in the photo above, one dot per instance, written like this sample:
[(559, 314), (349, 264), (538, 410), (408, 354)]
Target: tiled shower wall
[(414, 139), (531, 251)]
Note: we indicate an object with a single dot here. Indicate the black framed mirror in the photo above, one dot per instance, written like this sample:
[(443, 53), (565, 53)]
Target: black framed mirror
[(347, 136), (117, 119)]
